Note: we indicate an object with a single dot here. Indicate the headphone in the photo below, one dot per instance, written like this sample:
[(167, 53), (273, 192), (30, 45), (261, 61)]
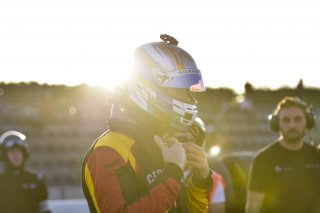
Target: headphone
[(288, 102)]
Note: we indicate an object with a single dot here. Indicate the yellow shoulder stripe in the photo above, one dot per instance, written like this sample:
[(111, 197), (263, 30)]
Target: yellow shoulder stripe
[(120, 143)]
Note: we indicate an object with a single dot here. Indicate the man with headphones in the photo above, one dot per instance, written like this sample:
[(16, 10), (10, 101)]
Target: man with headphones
[(20, 190), (285, 175)]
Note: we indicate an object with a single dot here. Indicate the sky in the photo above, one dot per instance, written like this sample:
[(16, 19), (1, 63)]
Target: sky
[(269, 43)]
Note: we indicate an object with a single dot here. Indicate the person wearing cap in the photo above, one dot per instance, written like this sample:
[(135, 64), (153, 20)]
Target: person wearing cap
[(21, 191), (137, 165)]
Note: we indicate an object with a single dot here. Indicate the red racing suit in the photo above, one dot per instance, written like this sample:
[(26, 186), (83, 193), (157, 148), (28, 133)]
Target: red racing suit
[(123, 171)]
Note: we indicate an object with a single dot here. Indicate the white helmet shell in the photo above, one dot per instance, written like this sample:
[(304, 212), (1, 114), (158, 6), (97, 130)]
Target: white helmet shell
[(167, 65), (164, 65), (12, 139)]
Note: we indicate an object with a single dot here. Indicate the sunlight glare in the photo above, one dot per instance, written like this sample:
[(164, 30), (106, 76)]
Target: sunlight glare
[(110, 72), (215, 151), (110, 80)]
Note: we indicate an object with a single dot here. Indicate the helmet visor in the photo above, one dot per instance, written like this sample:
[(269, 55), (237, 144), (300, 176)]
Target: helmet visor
[(185, 79), (13, 143)]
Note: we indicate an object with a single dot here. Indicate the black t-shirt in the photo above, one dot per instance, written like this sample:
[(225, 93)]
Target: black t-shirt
[(289, 179)]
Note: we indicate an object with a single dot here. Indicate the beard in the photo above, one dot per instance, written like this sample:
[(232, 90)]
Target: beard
[(293, 136)]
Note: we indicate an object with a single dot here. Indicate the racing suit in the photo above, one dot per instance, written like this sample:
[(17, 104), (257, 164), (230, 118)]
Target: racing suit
[(123, 171)]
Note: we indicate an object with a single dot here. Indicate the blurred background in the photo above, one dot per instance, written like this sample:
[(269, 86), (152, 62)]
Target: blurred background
[(61, 59), (61, 122)]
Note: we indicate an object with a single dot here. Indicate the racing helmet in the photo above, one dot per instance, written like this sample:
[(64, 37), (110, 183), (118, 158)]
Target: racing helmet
[(11, 139), (160, 65)]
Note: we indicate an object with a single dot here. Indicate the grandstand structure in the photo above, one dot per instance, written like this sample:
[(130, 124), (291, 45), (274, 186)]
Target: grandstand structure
[(62, 122)]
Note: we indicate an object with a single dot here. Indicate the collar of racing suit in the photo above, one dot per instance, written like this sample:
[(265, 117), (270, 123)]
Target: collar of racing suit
[(139, 127)]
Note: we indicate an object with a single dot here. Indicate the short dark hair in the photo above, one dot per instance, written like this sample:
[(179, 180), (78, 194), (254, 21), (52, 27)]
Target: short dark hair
[(288, 102)]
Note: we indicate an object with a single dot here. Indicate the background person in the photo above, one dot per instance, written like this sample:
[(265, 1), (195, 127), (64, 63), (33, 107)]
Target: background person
[(285, 175), (20, 189)]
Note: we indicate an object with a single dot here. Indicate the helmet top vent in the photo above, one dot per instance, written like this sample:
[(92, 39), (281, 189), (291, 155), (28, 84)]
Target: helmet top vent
[(169, 39)]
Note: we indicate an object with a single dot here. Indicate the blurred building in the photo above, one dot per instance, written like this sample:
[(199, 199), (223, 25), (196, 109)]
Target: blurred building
[(62, 122)]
